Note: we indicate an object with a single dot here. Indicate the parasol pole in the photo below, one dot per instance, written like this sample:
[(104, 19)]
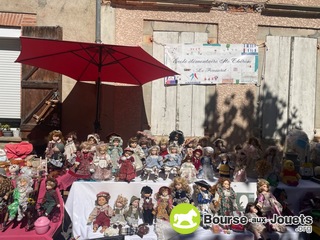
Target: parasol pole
[(97, 125)]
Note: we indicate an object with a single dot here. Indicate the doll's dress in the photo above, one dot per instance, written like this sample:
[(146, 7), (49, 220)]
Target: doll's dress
[(127, 171), (163, 207), (188, 171), (118, 217), (153, 164), (69, 152), (55, 158), (102, 167), (269, 204), (207, 170), (227, 201), (49, 201), (204, 200), (132, 216), (180, 196), (138, 154), (115, 153), (171, 163)]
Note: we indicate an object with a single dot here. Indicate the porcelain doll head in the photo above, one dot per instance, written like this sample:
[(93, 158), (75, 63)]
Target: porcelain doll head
[(85, 147), (146, 191), (143, 143), (180, 183), (163, 192), (120, 202), (24, 181), (102, 148), (191, 142), (173, 149), (56, 135), (134, 201), (51, 183), (176, 136), (14, 169), (163, 144), (219, 143), (197, 153), (154, 150), (224, 157), (238, 148), (208, 151), (93, 138), (262, 185), (224, 183), (102, 198), (133, 142), (251, 208), (203, 142), (115, 141), (71, 136), (127, 152)]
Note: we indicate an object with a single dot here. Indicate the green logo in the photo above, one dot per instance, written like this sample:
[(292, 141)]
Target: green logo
[(185, 218)]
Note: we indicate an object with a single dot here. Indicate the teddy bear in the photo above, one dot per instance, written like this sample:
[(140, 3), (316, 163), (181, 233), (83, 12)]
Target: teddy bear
[(289, 175)]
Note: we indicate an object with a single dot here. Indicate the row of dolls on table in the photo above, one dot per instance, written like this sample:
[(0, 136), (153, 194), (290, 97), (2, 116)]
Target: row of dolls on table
[(218, 199), (19, 200)]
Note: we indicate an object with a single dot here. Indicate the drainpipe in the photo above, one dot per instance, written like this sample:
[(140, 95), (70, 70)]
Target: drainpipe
[(98, 21)]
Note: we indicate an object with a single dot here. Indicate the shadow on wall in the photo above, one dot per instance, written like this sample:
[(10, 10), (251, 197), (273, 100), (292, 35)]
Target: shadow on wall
[(121, 111), (238, 122)]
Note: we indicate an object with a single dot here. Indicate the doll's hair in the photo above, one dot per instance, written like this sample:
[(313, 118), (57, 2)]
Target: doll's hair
[(161, 190), (56, 133), (260, 183), (184, 184), (121, 199), (146, 190), (102, 146), (52, 182), (180, 136), (204, 141), (85, 145), (73, 135), (133, 140), (157, 148), (163, 141), (173, 147), (248, 207), (26, 178), (187, 158), (220, 182), (217, 141)]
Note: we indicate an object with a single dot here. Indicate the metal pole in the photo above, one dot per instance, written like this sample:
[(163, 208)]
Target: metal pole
[(98, 21)]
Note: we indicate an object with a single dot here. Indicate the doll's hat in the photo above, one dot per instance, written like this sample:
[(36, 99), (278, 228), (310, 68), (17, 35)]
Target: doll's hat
[(103, 194), (203, 183), (190, 140), (198, 150), (128, 149), (133, 198)]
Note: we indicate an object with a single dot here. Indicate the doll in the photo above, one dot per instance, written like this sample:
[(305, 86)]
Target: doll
[(224, 166), (133, 214), (227, 197), (93, 139), (120, 207), (204, 196), (115, 151), (153, 163), (5, 188), (14, 171), (147, 205), (81, 168), (272, 156), (54, 151), (20, 197), (138, 153), (196, 160), (163, 144), (257, 228), (172, 162), (176, 138), (219, 148), (144, 144), (268, 204), (281, 195), (188, 147), (253, 151), (180, 191), (70, 148), (188, 170), (206, 163), (239, 174), (127, 171), (102, 213), (164, 203), (50, 199), (102, 164)]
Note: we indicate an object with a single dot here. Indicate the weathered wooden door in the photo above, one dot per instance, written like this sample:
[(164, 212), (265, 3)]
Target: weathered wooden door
[(289, 86), (40, 93)]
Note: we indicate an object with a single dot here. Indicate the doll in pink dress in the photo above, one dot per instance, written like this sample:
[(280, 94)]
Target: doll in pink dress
[(127, 170), (102, 164), (102, 213), (81, 168)]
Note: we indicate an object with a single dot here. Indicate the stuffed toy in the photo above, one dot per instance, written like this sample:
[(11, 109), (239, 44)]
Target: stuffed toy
[(289, 175)]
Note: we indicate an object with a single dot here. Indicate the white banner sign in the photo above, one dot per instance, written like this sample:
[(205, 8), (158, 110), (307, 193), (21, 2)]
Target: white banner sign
[(212, 63)]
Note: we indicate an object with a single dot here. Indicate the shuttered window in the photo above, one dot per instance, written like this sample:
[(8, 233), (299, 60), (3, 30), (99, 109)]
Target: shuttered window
[(10, 88)]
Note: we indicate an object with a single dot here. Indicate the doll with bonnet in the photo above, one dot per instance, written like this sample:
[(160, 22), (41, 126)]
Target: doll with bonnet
[(102, 213), (101, 164), (133, 213), (93, 139)]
